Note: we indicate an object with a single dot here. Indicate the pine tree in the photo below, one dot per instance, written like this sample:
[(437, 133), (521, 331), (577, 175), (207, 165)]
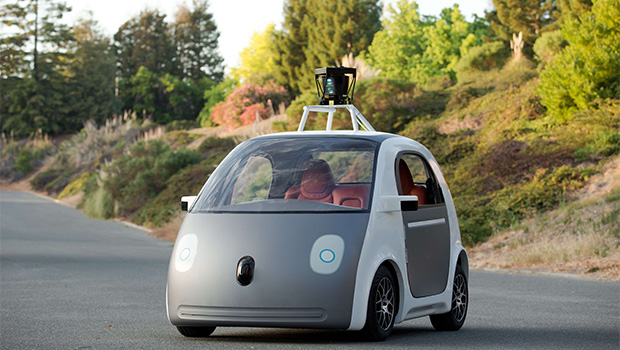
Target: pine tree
[(196, 37), (146, 40), (335, 29), (34, 58), (92, 75), (290, 44), (530, 17)]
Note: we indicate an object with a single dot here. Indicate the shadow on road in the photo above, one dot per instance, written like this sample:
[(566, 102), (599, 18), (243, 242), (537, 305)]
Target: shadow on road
[(419, 336)]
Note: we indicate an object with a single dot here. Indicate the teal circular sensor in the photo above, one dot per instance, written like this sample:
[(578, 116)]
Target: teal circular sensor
[(327, 255), (184, 254)]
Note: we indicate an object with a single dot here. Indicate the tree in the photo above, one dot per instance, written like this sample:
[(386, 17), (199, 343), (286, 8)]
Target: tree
[(319, 33), (290, 43), (146, 40), (166, 98), (448, 39), (588, 68), (401, 41), (530, 17), (257, 60), (573, 8), (415, 49), (34, 87), (196, 36), (335, 29), (91, 75)]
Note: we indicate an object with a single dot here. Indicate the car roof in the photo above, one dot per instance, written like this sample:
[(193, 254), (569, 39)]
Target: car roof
[(369, 135)]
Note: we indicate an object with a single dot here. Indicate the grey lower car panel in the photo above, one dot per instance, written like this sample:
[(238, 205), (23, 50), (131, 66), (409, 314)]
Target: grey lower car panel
[(428, 249), (285, 291)]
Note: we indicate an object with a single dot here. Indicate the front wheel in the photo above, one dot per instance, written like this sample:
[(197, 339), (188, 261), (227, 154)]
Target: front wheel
[(381, 306), (196, 332), (453, 320)]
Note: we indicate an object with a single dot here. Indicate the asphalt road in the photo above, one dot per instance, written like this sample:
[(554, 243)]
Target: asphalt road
[(69, 282)]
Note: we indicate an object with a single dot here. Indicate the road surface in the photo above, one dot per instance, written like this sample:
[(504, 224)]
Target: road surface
[(69, 282)]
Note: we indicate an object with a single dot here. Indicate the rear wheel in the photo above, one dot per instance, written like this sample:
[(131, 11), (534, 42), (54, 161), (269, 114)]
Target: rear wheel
[(453, 320), (196, 332), (381, 306)]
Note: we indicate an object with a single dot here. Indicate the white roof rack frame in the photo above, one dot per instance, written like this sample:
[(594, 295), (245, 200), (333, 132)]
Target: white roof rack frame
[(357, 119)]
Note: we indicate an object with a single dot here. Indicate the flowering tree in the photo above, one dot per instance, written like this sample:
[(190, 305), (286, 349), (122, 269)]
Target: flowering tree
[(246, 102)]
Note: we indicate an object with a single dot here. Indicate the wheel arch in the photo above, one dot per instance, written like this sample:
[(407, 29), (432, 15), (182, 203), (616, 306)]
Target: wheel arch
[(398, 279), (463, 261)]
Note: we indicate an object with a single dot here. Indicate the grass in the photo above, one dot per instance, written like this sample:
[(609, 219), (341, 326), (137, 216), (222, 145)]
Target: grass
[(21, 157)]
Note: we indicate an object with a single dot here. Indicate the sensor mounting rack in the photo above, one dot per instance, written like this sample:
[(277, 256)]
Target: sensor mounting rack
[(357, 119)]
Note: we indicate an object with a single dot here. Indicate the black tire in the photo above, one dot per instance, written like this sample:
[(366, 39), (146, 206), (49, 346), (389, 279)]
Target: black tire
[(453, 320), (196, 332), (381, 306)]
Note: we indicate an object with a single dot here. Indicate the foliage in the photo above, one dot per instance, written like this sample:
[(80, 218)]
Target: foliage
[(75, 186), (166, 98), (21, 157), (163, 207), (388, 104), (290, 43), (99, 204), (247, 102), (212, 97), (589, 67), (92, 71), (485, 57), (335, 29), (179, 138), (34, 92), (530, 17), (146, 41), (257, 60), (548, 46), (302, 44), (142, 173), (415, 49), (165, 68), (196, 38)]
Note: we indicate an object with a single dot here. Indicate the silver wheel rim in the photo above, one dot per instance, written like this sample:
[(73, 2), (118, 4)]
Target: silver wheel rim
[(384, 303), (459, 298)]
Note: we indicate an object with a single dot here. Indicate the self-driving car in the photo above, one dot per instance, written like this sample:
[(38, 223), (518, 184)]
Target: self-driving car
[(351, 230)]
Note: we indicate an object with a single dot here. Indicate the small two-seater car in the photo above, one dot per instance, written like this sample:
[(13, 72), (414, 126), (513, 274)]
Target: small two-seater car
[(351, 230)]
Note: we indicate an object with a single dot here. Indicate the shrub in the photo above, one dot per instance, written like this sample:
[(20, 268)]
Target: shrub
[(140, 175), (75, 186), (482, 58), (588, 69), (160, 209), (99, 204), (246, 102), (548, 45)]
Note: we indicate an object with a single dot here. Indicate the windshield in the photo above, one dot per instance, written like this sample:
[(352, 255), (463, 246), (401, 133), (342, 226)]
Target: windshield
[(286, 174)]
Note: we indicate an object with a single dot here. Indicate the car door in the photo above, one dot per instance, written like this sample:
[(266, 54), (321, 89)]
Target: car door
[(427, 231)]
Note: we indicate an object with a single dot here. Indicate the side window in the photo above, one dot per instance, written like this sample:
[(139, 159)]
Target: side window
[(254, 181), (415, 178)]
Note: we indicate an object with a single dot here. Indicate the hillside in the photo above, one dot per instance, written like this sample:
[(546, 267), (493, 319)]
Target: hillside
[(531, 191)]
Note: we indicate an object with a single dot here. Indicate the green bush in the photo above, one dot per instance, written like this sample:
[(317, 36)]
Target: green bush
[(387, 103), (160, 209), (485, 57), (142, 174), (588, 69), (75, 186), (548, 45)]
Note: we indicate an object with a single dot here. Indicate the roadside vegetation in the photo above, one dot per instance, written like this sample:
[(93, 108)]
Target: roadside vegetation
[(522, 124)]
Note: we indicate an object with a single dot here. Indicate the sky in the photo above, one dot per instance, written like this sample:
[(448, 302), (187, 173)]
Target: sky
[(236, 20)]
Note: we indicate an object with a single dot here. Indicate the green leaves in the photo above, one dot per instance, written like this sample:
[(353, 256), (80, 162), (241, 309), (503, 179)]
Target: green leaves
[(415, 49), (589, 67)]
